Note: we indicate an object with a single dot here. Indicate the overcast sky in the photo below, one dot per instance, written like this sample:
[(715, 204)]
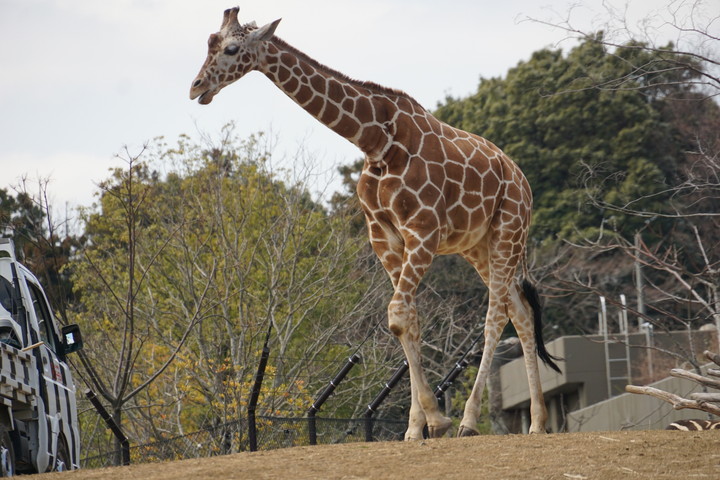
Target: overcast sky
[(81, 79)]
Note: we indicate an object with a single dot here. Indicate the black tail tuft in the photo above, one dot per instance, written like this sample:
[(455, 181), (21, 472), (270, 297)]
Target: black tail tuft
[(533, 299)]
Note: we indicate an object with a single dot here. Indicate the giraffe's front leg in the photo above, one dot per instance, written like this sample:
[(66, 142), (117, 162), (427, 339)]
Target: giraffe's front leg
[(416, 420), (406, 262), (424, 406)]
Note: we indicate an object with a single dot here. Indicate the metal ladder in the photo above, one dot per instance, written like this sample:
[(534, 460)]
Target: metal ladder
[(610, 361)]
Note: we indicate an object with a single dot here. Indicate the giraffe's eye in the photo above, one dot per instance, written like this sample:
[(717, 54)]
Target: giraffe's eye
[(231, 50)]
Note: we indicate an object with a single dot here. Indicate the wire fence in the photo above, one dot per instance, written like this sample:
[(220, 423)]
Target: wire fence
[(272, 433)]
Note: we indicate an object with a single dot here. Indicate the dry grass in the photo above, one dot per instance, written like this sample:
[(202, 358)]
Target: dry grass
[(606, 455)]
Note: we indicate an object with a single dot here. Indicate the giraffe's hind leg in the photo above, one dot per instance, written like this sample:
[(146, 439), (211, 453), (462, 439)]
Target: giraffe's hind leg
[(522, 317), (497, 262), (512, 301), (495, 322)]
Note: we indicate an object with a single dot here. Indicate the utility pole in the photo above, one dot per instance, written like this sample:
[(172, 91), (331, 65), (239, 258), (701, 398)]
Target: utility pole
[(642, 324), (639, 283)]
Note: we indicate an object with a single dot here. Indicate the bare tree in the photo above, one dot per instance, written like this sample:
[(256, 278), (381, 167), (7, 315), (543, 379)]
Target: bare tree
[(46, 240), (274, 258), (705, 401), (682, 35), (121, 358)]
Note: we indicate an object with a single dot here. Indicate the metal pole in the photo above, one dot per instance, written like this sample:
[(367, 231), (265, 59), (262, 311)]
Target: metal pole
[(112, 425), (604, 333), (650, 344), (639, 283), (255, 393), (318, 403), (626, 331), (450, 377), (375, 404), (460, 365)]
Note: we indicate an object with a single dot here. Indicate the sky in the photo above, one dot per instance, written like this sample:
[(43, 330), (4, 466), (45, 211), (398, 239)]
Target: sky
[(81, 80)]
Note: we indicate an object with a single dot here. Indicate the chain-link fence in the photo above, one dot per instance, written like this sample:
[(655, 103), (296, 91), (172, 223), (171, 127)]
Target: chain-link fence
[(272, 432)]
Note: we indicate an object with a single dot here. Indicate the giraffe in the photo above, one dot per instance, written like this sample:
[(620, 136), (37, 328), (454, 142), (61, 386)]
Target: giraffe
[(426, 189)]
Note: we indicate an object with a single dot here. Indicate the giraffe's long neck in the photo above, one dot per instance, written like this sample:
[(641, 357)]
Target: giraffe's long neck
[(363, 113)]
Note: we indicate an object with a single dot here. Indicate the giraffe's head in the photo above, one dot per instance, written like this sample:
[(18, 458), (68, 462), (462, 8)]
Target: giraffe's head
[(232, 52)]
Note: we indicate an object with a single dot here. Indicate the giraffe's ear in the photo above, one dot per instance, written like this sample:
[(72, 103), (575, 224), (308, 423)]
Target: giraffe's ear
[(264, 33)]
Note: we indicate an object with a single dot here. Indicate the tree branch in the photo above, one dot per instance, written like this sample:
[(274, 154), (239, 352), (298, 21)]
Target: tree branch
[(676, 401)]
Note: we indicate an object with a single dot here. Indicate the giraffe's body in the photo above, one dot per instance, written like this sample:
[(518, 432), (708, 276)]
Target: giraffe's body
[(426, 188)]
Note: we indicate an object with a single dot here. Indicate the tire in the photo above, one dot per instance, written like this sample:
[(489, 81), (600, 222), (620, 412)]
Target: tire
[(62, 458), (7, 453)]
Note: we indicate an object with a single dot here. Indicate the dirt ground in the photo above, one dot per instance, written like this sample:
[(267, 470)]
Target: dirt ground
[(606, 455)]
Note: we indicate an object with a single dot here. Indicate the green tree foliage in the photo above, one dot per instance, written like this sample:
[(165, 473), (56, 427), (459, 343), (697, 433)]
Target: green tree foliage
[(184, 272)]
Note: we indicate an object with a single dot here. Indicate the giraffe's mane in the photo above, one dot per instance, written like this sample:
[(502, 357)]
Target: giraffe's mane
[(372, 86)]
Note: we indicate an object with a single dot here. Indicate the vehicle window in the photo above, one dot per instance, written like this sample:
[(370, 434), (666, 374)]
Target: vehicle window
[(6, 294), (43, 317)]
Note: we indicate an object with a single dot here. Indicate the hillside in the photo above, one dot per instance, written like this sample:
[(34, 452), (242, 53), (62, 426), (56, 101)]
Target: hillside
[(605, 455)]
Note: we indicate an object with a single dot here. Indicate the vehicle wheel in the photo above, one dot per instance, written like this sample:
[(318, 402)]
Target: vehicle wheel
[(62, 459), (7, 453)]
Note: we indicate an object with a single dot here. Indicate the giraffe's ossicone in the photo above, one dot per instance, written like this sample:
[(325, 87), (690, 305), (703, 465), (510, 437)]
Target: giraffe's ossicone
[(426, 189)]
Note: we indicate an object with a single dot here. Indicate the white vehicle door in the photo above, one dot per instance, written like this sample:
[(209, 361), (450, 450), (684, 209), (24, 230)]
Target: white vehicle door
[(57, 388)]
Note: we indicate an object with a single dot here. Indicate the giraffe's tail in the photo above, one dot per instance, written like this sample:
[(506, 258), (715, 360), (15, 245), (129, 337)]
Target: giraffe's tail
[(531, 295)]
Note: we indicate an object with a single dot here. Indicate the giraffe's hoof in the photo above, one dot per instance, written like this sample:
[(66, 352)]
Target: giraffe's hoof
[(464, 431), (409, 437), (437, 431)]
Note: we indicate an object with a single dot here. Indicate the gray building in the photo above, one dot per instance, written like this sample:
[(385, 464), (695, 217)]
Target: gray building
[(589, 394)]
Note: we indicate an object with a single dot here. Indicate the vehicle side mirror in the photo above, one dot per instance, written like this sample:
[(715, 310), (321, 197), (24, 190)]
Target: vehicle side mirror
[(71, 338)]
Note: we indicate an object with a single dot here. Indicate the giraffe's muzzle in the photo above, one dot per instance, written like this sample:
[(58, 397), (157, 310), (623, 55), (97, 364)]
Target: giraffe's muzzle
[(201, 91)]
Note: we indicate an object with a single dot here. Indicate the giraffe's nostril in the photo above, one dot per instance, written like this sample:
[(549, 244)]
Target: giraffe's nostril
[(197, 82)]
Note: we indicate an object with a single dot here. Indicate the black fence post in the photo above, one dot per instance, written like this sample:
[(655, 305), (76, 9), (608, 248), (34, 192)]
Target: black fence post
[(255, 392), (373, 406), (450, 378), (318, 403), (112, 425)]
